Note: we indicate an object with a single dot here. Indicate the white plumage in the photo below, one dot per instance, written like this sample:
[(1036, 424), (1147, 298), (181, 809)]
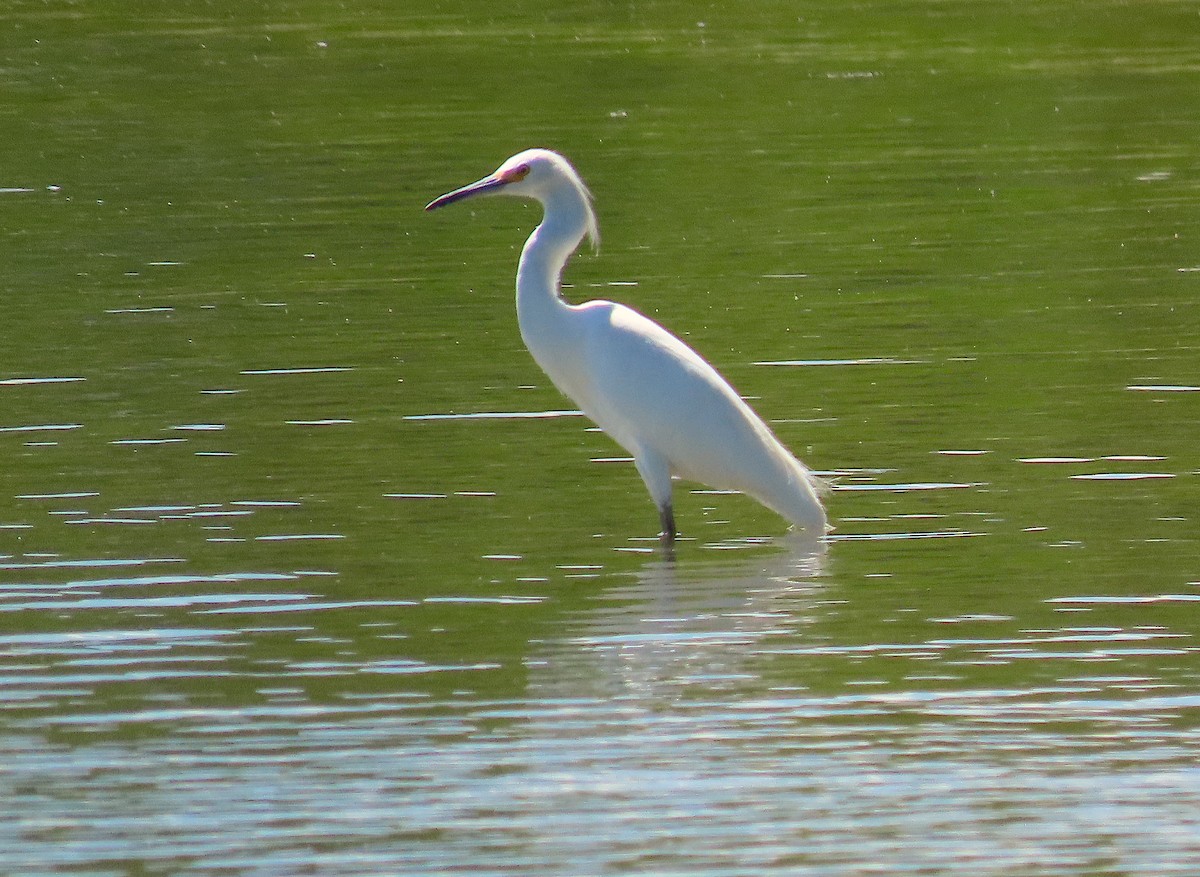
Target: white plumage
[(647, 389)]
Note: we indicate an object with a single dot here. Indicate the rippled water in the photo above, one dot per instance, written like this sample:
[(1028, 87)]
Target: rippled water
[(710, 721), (305, 569)]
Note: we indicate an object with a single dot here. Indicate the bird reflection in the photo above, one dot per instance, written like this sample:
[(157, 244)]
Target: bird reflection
[(683, 627)]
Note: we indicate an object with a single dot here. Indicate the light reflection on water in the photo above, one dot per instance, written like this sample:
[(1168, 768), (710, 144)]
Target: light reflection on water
[(713, 715), (680, 720)]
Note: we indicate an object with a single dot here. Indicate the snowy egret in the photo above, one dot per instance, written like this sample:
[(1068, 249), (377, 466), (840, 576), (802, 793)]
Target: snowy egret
[(649, 391)]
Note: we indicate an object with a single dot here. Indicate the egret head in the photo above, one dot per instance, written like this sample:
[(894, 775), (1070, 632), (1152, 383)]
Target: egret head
[(540, 174)]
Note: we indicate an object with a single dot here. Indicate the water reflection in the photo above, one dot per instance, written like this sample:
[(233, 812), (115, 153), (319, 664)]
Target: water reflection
[(682, 625), (707, 714)]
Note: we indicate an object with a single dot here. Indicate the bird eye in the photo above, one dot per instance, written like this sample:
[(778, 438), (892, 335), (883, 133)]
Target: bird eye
[(518, 173)]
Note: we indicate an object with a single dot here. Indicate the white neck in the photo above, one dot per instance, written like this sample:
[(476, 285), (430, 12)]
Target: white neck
[(540, 309)]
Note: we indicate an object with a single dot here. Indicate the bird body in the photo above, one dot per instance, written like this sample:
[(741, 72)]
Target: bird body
[(654, 395)]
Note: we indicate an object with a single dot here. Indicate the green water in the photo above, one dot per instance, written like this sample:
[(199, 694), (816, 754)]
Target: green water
[(266, 609)]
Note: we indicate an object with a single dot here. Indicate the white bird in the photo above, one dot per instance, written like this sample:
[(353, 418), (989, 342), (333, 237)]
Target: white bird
[(647, 389)]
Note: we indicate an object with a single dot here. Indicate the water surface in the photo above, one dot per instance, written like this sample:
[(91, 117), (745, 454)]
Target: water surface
[(305, 568)]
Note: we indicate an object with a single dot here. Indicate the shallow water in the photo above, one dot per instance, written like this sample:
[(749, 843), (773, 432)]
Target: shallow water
[(304, 568)]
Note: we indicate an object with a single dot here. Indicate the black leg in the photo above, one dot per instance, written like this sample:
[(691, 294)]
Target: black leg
[(667, 516)]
